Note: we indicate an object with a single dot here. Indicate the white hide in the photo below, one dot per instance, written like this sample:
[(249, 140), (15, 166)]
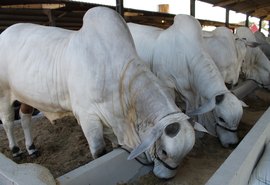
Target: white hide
[(226, 51), (264, 44), (95, 75), (256, 65), (178, 57)]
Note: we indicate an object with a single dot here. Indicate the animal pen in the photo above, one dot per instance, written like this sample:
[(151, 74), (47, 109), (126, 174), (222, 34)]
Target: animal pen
[(114, 168)]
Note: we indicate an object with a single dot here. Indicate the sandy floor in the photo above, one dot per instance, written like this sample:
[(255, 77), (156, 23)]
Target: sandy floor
[(63, 147)]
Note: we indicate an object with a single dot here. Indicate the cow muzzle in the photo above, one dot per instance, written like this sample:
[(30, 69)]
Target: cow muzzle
[(227, 137), (163, 170)]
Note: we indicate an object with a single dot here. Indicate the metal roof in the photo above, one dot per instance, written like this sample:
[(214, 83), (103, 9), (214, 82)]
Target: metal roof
[(255, 8)]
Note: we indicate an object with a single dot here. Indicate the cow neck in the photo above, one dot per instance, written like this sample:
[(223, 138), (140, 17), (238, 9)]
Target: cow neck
[(143, 99), (252, 61), (206, 77)]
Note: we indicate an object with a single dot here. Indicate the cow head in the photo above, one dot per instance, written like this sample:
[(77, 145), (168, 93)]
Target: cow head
[(167, 143), (225, 111), (227, 115)]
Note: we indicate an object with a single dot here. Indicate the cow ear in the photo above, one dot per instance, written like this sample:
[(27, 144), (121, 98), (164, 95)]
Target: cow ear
[(199, 127), (146, 143)]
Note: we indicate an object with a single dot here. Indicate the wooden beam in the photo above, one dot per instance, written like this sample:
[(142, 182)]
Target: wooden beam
[(260, 12), (228, 2), (36, 6), (225, 3), (23, 18), (254, 8)]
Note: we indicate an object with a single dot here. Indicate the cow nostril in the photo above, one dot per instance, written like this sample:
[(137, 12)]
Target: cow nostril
[(221, 119), (172, 129), (164, 152)]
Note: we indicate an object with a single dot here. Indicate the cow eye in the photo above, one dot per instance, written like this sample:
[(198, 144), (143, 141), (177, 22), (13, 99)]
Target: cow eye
[(172, 129), (219, 98)]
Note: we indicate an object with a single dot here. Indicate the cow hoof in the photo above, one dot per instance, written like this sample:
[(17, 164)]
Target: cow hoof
[(35, 154), (99, 154), (17, 154)]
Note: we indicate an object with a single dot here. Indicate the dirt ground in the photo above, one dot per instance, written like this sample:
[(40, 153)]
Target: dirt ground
[(63, 147)]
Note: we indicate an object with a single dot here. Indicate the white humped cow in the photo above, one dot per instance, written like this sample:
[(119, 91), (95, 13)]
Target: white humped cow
[(227, 52), (264, 44), (256, 65), (178, 57), (94, 74)]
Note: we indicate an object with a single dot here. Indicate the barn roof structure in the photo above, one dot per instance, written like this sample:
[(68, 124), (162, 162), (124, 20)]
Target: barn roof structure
[(255, 8), (68, 14)]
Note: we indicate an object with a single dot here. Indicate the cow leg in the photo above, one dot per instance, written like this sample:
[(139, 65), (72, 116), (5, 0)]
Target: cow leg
[(93, 131), (26, 117), (7, 117)]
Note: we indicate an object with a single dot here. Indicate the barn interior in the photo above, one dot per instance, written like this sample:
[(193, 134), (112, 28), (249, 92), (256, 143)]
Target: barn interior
[(68, 14)]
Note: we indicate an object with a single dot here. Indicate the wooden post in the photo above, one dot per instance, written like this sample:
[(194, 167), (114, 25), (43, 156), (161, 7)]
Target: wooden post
[(227, 18), (268, 28), (192, 8), (247, 20), (120, 7), (51, 17), (260, 23)]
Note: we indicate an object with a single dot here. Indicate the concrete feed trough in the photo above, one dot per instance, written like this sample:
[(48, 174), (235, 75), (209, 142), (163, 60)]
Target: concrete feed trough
[(238, 166)]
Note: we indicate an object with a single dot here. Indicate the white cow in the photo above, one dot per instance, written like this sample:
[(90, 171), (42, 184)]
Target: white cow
[(178, 56), (95, 75), (256, 65), (227, 52), (264, 44)]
